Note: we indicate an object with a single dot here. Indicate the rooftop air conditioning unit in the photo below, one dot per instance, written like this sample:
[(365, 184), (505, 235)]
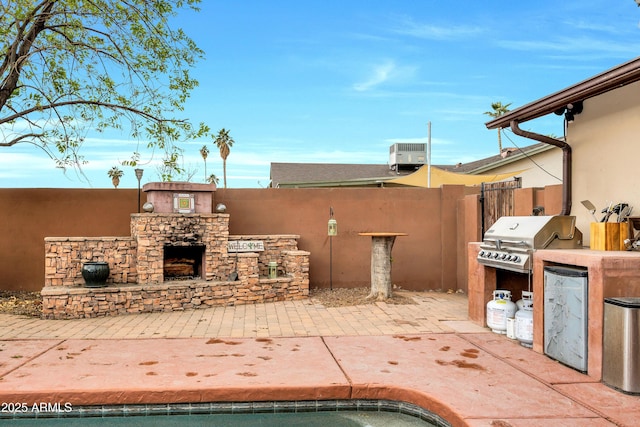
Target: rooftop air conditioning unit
[(406, 155)]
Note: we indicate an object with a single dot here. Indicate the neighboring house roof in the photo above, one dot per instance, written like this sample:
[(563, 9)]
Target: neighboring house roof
[(329, 174), (621, 75), (298, 175)]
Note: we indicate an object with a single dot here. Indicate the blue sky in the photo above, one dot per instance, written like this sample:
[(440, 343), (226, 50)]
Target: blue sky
[(340, 81)]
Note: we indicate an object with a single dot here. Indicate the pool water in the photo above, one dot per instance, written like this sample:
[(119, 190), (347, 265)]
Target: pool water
[(318, 413), (305, 419)]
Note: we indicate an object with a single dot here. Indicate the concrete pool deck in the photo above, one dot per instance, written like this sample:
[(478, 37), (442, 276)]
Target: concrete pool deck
[(426, 353)]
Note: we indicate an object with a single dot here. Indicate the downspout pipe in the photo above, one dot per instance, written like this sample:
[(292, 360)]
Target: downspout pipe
[(566, 161)]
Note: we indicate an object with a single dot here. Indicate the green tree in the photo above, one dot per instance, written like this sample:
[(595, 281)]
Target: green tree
[(224, 142), (497, 110), (204, 152), (171, 168), (67, 66)]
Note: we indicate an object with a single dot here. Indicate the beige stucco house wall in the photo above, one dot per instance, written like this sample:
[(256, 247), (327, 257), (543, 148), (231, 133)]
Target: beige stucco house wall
[(542, 167), (605, 139)]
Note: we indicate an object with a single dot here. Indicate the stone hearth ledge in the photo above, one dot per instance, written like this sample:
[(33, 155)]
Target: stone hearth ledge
[(60, 302)]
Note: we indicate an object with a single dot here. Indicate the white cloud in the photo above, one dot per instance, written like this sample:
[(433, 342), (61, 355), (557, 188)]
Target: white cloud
[(574, 45), (386, 73), (592, 26), (379, 74), (436, 32)]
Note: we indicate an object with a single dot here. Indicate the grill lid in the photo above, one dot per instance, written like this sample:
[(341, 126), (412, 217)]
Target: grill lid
[(534, 232)]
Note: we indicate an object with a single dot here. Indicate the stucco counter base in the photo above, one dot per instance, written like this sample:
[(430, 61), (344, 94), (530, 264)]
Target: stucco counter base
[(610, 274)]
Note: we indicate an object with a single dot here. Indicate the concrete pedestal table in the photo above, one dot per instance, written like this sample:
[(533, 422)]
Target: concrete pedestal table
[(381, 245)]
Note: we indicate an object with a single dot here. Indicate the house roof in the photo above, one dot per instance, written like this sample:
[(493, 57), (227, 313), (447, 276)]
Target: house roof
[(303, 174), (337, 175), (623, 74)]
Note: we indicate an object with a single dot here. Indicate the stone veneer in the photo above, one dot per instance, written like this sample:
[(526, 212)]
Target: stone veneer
[(153, 232), (136, 281)]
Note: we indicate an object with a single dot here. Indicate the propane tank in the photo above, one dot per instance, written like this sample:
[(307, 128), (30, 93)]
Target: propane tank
[(499, 310), (524, 320)]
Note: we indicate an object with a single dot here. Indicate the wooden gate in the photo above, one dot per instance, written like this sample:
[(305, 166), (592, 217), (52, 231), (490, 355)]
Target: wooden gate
[(497, 200)]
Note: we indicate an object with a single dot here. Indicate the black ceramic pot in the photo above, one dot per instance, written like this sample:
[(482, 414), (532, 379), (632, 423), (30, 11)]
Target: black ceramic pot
[(95, 274)]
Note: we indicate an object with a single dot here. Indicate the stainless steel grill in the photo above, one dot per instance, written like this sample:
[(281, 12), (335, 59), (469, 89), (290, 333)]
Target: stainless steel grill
[(511, 240)]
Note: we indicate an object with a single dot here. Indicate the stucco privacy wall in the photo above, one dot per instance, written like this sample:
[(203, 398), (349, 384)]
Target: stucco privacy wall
[(606, 152), (30, 215), (439, 221), (426, 259)]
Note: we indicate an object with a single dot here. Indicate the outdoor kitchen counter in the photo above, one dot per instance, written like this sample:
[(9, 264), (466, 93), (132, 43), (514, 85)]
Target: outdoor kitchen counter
[(610, 274)]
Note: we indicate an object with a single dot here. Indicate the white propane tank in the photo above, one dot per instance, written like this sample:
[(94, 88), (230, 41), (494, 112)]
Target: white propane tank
[(499, 310), (511, 328), (524, 320)]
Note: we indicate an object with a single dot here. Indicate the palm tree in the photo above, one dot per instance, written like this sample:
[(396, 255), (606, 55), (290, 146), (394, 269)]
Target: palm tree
[(204, 152), (224, 142), (498, 110), (115, 174), (213, 179)]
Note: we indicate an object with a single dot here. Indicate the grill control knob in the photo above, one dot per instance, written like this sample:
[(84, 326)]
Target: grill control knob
[(496, 255), (516, 258), (481, 254)]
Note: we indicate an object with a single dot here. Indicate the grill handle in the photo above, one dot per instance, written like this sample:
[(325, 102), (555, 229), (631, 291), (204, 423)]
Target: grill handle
[(498, 243)]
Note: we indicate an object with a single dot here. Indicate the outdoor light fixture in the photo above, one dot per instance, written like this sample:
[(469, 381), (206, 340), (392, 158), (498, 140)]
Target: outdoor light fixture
[(332, 230), (273, 270), (139, 173), (569, 116), (221, 208), (571, 109)]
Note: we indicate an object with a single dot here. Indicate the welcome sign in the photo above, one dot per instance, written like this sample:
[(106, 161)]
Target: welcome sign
[(245, 246)]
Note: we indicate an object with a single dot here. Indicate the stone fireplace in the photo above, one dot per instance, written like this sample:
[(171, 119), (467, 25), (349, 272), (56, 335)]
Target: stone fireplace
[(200, 239), (172, 260)]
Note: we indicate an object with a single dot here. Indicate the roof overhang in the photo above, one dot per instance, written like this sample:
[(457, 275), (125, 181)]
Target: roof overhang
[(621, 75)]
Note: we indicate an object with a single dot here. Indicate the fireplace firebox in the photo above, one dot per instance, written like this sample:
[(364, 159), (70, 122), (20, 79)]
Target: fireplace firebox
[(183, 262)]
